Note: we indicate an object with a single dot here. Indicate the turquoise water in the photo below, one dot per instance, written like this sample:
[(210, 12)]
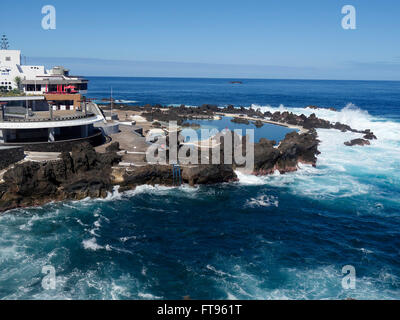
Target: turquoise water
[(274, 237), (269, 131)]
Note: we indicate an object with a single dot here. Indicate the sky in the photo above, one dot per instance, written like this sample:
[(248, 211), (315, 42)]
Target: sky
[(245, 39)]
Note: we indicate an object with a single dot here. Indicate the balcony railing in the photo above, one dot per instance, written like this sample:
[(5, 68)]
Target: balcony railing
[(34, 118)]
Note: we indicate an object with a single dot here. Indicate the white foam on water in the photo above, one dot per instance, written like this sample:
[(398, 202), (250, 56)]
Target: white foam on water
[(249, 179), (148, 296), (341, 171), (126, 101), (91, 244), (304, 284), (263, 201)]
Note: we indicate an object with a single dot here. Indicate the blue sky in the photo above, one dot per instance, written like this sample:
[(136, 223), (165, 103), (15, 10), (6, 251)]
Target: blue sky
[(250, 39)]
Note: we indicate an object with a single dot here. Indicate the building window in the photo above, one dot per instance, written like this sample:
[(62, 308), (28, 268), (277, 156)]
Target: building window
[(8, 58), (31, 87)]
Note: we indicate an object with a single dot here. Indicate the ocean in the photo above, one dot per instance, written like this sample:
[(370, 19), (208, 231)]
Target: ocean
[(274, 237)]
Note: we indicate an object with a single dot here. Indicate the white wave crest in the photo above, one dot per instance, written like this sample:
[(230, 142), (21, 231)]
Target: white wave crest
[(341, 171), (91, 244), (263, 201)]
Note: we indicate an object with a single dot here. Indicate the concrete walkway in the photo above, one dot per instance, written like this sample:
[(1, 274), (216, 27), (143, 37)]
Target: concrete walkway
[(41, 156), (232, 115)]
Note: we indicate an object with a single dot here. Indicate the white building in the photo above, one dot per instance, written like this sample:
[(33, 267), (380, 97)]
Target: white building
[(36, 79), (51, 108)]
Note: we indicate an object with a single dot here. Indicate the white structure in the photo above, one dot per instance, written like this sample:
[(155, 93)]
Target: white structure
[(52, 108), (25, 125), (36, 79)]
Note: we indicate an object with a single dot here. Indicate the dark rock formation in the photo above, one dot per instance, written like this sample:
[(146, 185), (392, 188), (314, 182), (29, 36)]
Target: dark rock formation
[(208, 174), (156, 124), (311, 122), (163, 175), (265, 157), (295, 148), (191, 125), (113, 147), (369, 135), (357, 142), (258, 124), (318, 108), (240, 120), (11, 155), (83, 173)]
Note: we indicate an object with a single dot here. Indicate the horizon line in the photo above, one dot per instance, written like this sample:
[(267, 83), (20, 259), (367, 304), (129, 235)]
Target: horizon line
[(238, 78)]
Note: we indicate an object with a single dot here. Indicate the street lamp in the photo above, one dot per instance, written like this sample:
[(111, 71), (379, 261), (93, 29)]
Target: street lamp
[(51, 104), (111, 100), (3, 105), (84, 100)]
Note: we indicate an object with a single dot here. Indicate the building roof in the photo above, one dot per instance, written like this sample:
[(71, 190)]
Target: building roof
[(55, 80)]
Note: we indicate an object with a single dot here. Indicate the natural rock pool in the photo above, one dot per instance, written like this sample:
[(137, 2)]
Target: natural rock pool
[(268, 130)]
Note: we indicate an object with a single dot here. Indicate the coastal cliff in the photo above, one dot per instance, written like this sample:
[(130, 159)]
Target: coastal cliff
[(83, 173), (86, 173)]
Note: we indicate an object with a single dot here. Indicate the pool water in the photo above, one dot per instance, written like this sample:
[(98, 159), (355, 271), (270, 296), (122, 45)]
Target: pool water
[(268, 130)]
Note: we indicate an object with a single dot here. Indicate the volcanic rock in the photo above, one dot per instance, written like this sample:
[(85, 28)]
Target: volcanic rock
[(357, 142), (240, 120)]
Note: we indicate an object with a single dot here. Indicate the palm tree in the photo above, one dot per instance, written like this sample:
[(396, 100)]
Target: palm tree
[(18, 82)]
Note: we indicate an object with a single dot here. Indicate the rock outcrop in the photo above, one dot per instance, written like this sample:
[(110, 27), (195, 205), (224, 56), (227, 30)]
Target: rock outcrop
[(258, 123), (357, 142), (240, 120), (294, 149), (369, 135), (83, 173), (163, 175)]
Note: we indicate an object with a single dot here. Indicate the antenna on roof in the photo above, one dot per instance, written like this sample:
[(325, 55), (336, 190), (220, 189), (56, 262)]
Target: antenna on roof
[(4, 43)]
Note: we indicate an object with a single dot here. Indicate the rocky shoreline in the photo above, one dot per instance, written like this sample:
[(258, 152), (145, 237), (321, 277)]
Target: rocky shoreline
[(86, 173)]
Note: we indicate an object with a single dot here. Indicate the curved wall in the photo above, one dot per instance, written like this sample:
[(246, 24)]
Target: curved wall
[(59, 146)]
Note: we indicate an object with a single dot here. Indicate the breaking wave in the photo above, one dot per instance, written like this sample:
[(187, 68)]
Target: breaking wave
[(342, 171)]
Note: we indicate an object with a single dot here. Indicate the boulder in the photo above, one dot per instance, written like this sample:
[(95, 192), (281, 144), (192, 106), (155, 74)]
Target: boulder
[(357, 142), (370, 136), (258, 124), (240, 120), (113, 147)]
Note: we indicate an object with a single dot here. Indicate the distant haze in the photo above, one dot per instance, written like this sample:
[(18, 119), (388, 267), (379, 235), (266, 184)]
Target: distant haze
[(128, 68)]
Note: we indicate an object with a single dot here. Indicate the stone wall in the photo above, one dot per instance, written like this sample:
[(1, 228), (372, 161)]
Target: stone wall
[(10, 155)]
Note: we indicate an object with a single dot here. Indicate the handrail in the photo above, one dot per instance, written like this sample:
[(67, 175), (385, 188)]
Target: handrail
[(65, 118)]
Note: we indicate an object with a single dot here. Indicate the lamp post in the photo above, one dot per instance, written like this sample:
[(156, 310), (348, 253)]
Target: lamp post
[(111, 100), (84, 101), (51, 104), (3, 105)]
